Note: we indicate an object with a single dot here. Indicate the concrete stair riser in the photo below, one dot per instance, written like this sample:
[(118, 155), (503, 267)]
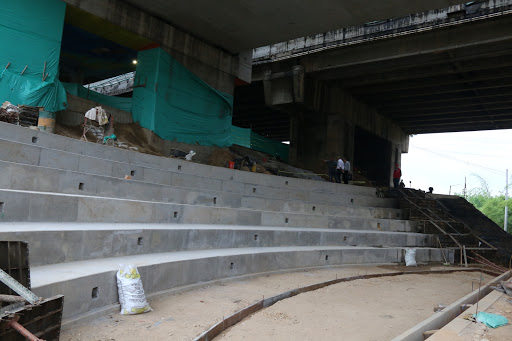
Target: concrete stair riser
[(30, 155), (35, 178), (55, 143), (63, 246), (163, 275), (49, 207)]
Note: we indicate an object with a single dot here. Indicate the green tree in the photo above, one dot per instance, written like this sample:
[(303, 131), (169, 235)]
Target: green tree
[(494, 209), (478, 196), (492, 206)]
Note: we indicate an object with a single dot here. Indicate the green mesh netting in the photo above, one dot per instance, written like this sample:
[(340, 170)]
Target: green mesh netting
[(241, 136), (122, 103), (31, 34), (246, 138), (274, 148), (175, 104)]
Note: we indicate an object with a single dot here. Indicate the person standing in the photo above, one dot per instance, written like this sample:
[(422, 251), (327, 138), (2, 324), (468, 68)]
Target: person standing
[(331, 168), (397, 174), (339, 170), (346, 171)]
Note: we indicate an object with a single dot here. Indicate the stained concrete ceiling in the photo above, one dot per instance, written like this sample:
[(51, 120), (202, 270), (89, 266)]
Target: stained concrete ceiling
[(452, 79), (246, 24)]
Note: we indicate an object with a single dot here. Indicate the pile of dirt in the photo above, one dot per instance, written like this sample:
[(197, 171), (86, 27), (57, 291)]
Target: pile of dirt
[(132, 136), (221, 157)]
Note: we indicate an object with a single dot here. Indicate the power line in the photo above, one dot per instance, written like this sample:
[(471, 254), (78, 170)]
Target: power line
[(466, 162), (475, 154)]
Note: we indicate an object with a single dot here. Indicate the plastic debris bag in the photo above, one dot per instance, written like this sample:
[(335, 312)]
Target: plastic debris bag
[(131, 293), (410, 257), (189, 156), (491, 320)]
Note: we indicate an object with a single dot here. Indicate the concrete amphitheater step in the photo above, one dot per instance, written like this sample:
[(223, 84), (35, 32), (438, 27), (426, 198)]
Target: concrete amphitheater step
[(239, 182), (89, 285), (32, 206), (70, 242), (17, 176), (132, 161), (55, 142)]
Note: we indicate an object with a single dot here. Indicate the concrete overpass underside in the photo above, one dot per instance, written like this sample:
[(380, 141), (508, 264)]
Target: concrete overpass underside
[(444, 79)]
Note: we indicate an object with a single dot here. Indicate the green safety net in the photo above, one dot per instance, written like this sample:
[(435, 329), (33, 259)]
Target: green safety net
[(122, 103), (31, 34), (241, 136), (175, 104), (247, 138), (274, 148)]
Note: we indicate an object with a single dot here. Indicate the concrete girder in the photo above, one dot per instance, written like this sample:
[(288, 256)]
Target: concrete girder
[(241, 25)]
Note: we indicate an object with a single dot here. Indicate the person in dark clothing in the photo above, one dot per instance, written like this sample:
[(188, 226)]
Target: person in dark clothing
[(397, 174), (331, 169)]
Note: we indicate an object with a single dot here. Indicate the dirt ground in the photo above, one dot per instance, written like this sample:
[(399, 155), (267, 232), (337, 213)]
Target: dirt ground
[(373, 309)]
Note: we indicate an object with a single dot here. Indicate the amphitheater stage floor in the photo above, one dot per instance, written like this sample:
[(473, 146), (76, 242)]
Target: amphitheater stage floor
[(369, 309)]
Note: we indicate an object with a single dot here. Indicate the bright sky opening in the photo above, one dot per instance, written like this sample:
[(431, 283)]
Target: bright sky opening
[(451, 159)]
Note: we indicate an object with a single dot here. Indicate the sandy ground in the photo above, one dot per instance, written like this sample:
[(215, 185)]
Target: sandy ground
[(373, 309)]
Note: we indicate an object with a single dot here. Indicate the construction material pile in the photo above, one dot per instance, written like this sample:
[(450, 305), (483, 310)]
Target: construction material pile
[(23, 115), (28, 115), (10, 113)]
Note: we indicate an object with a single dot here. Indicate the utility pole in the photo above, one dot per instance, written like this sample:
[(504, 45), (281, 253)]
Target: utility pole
[(506, 199)]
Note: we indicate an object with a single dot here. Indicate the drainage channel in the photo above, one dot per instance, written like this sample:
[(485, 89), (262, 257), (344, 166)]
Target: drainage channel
[(238, 316)]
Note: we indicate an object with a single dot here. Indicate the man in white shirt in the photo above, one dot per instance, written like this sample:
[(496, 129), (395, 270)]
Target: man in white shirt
[(340, 167)]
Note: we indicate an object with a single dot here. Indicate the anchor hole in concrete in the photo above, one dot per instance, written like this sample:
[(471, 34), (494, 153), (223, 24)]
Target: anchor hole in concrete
[(232, 266), (344, 238), (132, 173), (254, 190), (139, 241), (175, 214), (231, 178), (255, 237), (352, 200), (81, 186), (314, 208), (215, 201), (286, 220), (95, 293), (326, 257), (286, 182), (2, 207), (179, 167), (34, 139)]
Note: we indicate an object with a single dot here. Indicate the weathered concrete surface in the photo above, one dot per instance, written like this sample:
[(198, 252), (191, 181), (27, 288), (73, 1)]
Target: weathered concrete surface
[(213, 65), (250, 25), (77, 242), (34, 206), (164, 271), (130, 159), (43, 179), (249, 223), (312, 190)]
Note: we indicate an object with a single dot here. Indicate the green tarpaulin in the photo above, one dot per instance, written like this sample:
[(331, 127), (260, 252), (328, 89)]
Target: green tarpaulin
[(175, 104), (31, 33)]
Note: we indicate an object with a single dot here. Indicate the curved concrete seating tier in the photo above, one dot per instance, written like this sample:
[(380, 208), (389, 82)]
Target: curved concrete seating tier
[(180, 222), (35, 206), (89, 285), (86, 241), (261, 184)]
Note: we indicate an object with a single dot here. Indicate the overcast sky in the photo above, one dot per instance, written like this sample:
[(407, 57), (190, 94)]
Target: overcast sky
[(441, 160)]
